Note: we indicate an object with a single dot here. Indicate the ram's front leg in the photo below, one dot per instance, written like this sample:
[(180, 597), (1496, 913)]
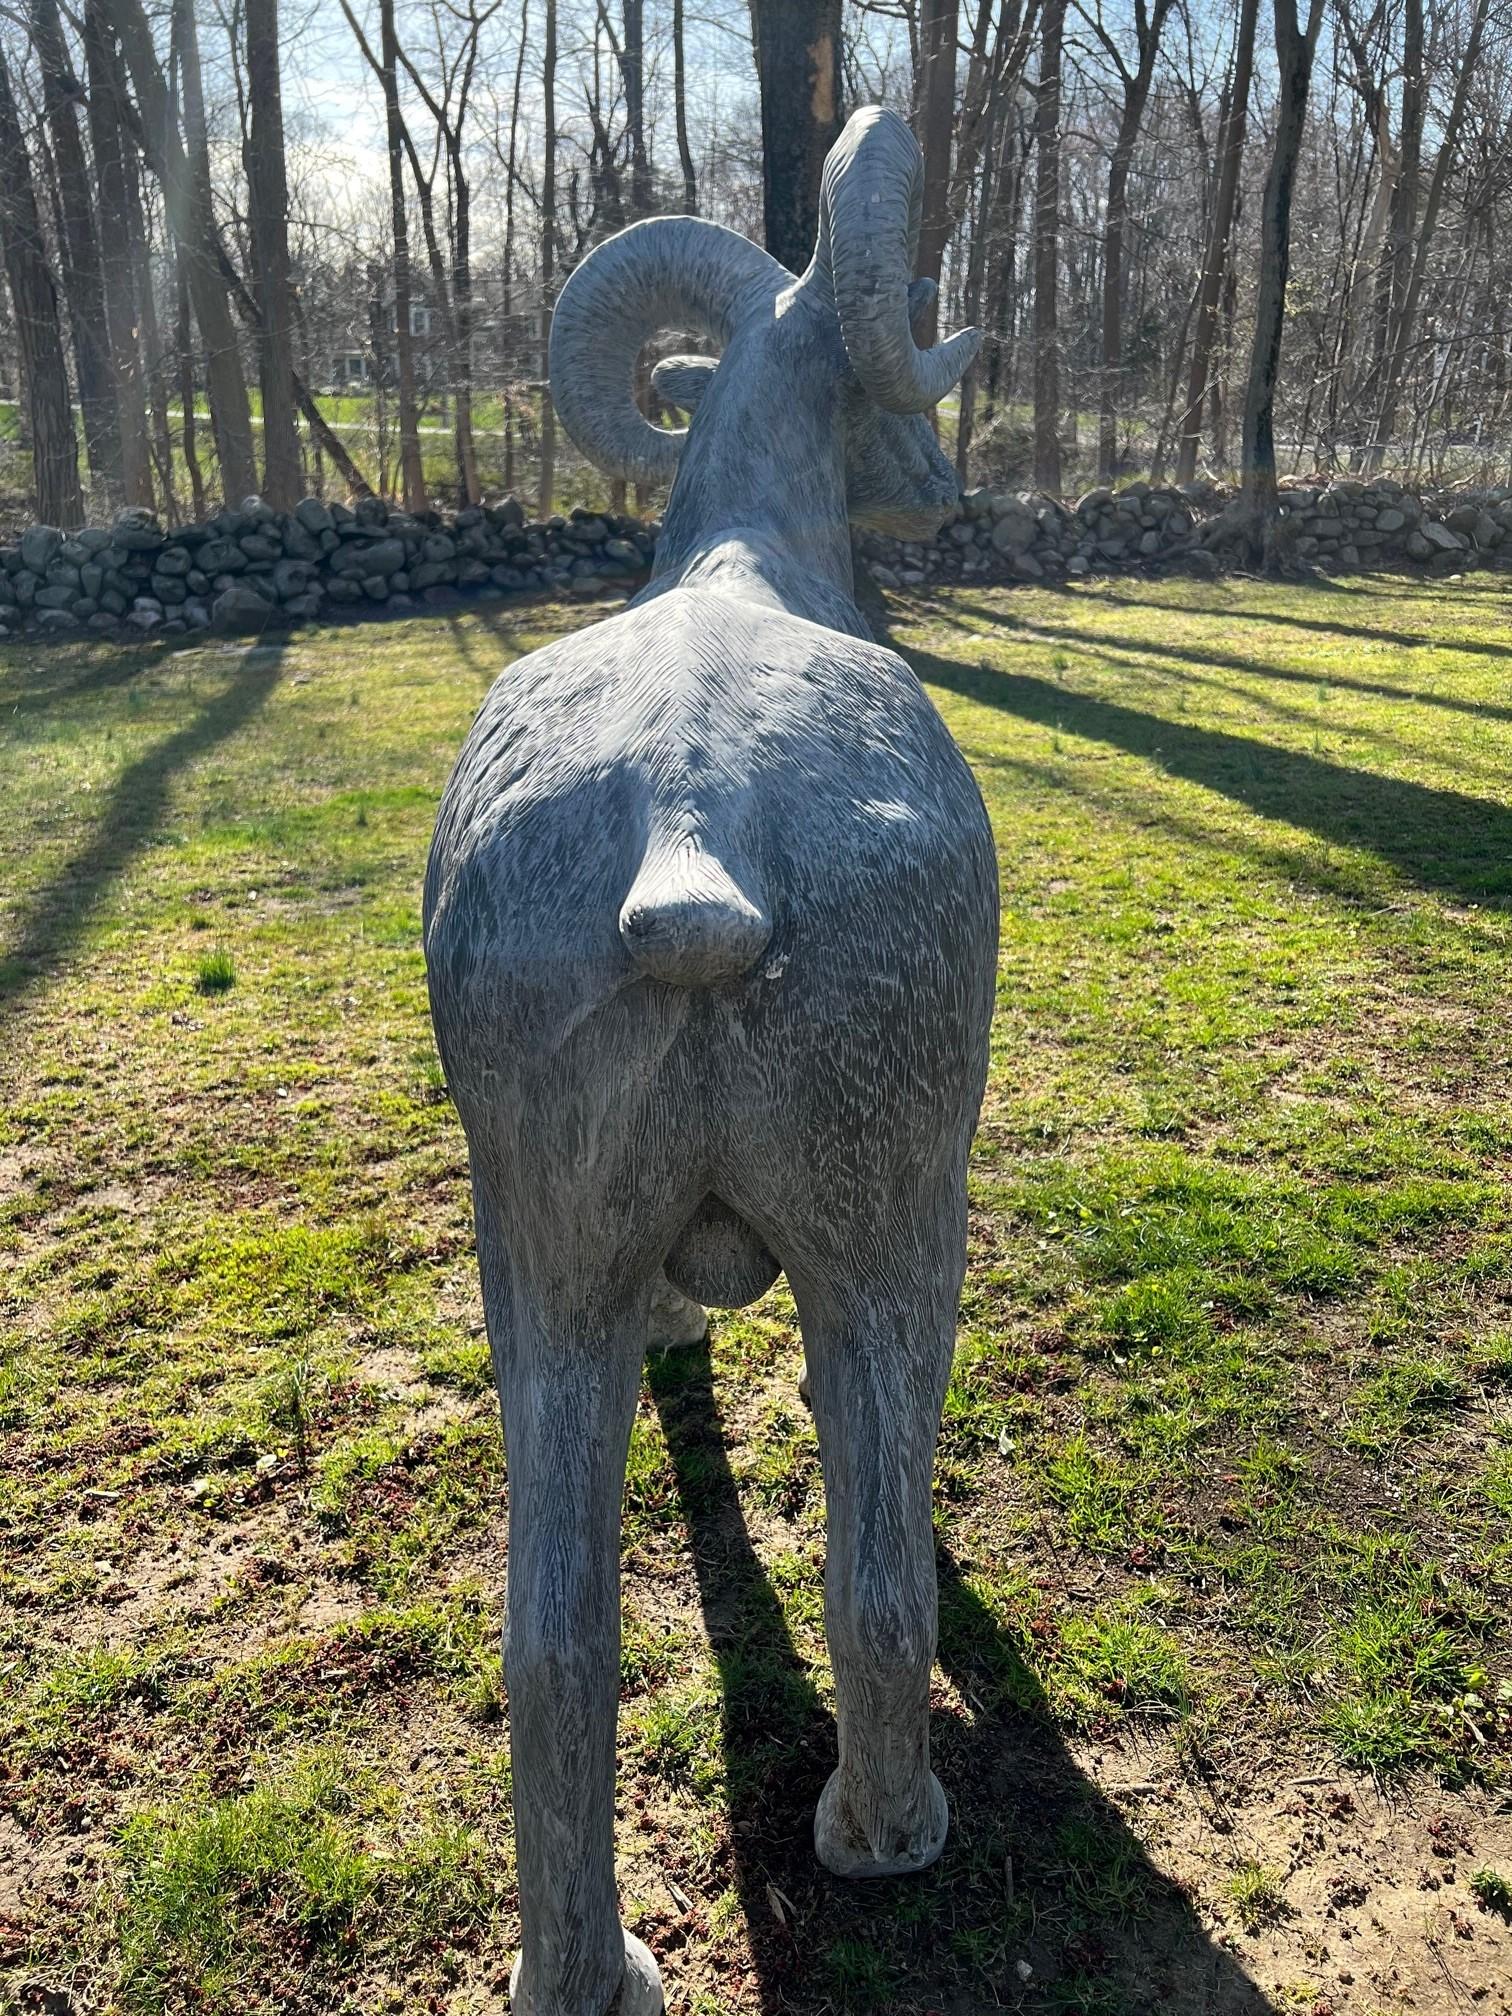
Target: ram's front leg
[(568, 1373)]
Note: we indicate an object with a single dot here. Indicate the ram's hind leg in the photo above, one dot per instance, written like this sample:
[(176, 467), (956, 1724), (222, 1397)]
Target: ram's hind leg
[(568, 1369), (879, 1329)]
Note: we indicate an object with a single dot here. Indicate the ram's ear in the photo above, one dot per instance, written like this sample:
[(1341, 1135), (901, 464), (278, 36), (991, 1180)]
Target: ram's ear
[(683, 381)]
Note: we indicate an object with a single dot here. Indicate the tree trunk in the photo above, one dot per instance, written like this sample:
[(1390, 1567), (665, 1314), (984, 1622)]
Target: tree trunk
[(184, 161), (154, 352), (79, 245), (511, 161), (469, 489), (633, 70), (412, 473), (1136, 85), (680, 109), (797, 45), (1406, 314), (1295, 47), (1215, 262), (117, 274), (268, 198), (1047, 453), (976, 277), (934, 121), (183, 344), (55, 450), (230, 411), (548, 257), (1003, 270)]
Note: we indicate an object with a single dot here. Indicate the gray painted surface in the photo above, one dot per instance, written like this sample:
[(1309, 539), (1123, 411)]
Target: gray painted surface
[(711, 929)]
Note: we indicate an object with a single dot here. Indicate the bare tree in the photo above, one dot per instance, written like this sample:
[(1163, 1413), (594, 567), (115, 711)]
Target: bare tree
[(182, 162), (1254, 520), (412, 473), (797, 44), (680, 110), (268, 192), (1047, 112), (1216, 261), (548, 255), (934, 122), (79, 246), (1407, 296), (55, 452), (1135, 80), (117, 265)]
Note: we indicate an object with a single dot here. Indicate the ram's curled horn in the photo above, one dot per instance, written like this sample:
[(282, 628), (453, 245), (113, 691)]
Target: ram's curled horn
[(869, 229), (664, 273)]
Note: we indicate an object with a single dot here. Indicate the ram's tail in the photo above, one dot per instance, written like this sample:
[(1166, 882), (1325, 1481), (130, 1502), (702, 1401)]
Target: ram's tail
[(688, 921)]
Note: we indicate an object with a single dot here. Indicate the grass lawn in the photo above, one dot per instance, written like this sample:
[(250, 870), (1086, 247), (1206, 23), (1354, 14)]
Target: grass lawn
[(1224, 1507)]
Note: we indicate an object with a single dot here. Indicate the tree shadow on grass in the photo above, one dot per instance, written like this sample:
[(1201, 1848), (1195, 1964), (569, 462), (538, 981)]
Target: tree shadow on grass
[(53, 919), (1447, 842), (1040, 1866), (1208, 657), (1366, 595)]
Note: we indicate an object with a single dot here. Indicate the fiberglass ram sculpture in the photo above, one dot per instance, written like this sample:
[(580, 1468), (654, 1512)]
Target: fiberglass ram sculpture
[(711, 928)]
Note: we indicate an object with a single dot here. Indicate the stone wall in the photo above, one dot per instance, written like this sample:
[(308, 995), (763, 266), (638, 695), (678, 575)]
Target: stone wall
[(250, 568), (1335, 527)]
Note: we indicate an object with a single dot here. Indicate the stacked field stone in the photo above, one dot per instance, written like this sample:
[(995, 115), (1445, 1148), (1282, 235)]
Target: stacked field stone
[(1141, 526), (252, 568)]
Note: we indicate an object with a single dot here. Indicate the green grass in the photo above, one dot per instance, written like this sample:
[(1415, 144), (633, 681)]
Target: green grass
[(1225, 1472), (215, 972), (1257, 1896)]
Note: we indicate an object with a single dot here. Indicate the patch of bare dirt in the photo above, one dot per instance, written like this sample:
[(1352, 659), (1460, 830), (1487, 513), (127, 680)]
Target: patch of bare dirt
[(1377, 1913)]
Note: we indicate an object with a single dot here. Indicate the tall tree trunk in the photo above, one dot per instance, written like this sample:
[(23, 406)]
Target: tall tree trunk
[(934, 121), (469, 488), (117, 267), (680, 111), (230, 410), (183, 344), (633, 70), (1003, 269), (1406, 315), (1136, 94), (184, 162), (154, 351), (412, 473), (797, 46), (1215, 261), (511, 162), (268, 202), (1047, 397), (548, 257), (55, 448), (79, 245), (976, 275), (1295, 48)]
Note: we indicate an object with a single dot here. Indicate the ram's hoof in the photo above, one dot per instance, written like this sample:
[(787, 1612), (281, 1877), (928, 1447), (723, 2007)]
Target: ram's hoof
[(640, 1991), (844, 1851), (676, 1319)]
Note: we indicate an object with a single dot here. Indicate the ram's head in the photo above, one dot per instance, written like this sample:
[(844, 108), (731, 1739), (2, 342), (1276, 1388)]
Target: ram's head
[(857, 298)]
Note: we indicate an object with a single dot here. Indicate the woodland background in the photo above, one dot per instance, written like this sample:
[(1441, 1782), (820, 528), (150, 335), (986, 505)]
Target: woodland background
[(281, 246)]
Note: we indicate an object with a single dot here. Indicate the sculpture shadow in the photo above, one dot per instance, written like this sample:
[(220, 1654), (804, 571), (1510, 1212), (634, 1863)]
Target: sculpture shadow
[(1040, 1868), (52, 920), (1446, 842)]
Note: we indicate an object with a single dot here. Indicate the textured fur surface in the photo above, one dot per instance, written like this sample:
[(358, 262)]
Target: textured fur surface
[(711, 929)]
